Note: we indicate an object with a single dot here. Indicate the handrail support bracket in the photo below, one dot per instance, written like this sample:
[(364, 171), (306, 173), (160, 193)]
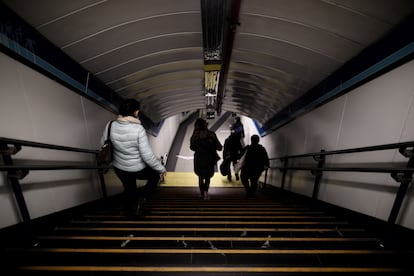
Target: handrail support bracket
[(18, 174), (11, 150), (409, 153)]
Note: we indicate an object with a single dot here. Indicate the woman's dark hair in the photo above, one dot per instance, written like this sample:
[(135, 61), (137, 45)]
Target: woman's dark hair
[(200, 124), (128, 107)]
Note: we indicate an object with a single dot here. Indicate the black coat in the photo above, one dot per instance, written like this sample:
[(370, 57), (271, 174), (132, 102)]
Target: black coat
[(256, 159), (205, 145), (233, 148)]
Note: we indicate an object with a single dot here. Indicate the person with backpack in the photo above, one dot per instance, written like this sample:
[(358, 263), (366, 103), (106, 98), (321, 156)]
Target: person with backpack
[(231, 153)]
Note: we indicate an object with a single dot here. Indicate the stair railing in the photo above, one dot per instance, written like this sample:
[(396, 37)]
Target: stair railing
[(15, 172), (402, 175)]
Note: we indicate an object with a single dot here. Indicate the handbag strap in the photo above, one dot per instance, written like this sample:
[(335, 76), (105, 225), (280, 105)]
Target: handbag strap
[(109, 130)]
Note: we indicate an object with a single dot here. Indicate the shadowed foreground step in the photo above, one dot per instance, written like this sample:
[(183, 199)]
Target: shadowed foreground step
[(179, 234)]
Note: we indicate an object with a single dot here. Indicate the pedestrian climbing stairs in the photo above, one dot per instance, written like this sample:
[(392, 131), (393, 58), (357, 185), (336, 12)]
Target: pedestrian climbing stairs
[(179, 234)]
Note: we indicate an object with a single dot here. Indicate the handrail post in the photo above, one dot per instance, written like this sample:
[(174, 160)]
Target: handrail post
[(265, 178), (101, 173), (405, 181), (321, 163), (285, 163), (12, 176), (102, 181)]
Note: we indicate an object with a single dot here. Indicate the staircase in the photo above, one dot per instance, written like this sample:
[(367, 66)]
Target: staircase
[(180, 234)]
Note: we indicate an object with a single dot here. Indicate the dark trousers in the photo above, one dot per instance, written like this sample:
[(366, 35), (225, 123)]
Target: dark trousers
[(249, 180), (203, 184), (131, 193)]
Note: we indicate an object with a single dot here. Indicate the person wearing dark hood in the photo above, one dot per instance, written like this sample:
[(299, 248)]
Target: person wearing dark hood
[(238, 127), (205, 145)]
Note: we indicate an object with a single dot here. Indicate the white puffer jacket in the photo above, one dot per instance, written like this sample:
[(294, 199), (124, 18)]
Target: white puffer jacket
[(132, 151)]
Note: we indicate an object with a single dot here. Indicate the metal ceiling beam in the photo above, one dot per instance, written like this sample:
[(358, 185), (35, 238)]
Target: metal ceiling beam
[(233, 23), (220, 19)]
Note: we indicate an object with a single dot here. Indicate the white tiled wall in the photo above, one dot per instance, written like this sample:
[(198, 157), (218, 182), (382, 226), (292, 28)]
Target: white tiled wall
[(36, 108), (378, 112)]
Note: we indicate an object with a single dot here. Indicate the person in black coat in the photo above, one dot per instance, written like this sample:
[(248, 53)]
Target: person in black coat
[(205, 145), (255, 162), (232, 151)]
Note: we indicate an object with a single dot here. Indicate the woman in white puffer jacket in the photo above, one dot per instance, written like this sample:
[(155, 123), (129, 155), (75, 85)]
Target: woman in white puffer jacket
[(133, 156)]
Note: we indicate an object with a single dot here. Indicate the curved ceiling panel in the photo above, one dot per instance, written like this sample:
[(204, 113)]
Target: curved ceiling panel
[(171, 28), (158, 59), (148, 72), (274, 56)]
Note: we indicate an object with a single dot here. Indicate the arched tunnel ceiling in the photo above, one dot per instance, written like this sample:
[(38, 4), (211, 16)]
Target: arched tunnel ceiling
[(152, 50)]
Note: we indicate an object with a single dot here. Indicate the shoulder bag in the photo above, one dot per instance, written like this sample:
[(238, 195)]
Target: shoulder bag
[(105, 154), (239, 165)]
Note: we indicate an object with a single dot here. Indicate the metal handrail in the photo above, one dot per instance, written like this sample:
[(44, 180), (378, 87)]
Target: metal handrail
[(50, 167), (44, 145), (402, 175), (352, 150), (15, 172), (347, 169)]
